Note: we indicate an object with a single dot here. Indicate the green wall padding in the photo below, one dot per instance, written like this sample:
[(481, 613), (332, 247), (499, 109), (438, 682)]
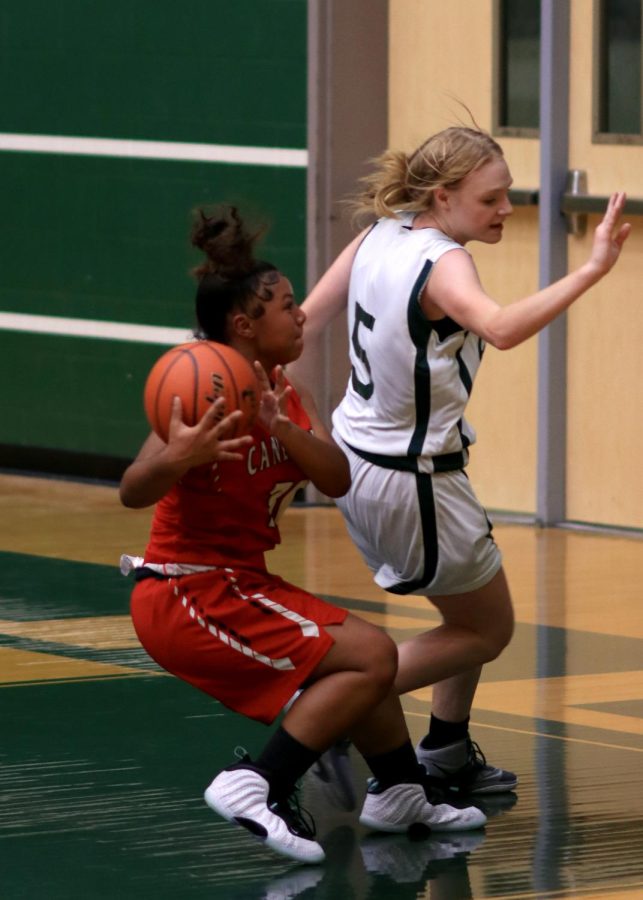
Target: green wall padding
[(212, 71), (107, 238), (74, 394)]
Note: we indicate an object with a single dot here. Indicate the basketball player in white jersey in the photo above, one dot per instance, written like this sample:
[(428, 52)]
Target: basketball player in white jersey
[(418, 320)]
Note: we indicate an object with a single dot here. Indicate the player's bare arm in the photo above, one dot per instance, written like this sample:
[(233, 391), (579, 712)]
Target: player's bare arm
[(455, 289)]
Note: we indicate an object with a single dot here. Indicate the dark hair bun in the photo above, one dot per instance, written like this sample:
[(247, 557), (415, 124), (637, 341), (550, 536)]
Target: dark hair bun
[(226, 242)]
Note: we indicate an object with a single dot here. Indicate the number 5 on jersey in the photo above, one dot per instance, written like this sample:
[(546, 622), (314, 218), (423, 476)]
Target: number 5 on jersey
[(363, 388)]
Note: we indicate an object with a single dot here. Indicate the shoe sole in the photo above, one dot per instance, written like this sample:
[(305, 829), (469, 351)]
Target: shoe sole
[(464, 791), (377, 825), (392, 828), (491, 789)]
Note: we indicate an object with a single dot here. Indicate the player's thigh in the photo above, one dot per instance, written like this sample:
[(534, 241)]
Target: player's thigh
[(358, 646)]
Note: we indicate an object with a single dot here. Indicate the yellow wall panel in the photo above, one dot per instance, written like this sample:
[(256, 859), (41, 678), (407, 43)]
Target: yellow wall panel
[(609, 167), (439, 54), (503, 406), (605, 364), (605, 393), (431, 68)]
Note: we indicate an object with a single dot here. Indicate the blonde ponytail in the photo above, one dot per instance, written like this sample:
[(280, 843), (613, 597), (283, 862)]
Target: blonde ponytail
[(401, 183)]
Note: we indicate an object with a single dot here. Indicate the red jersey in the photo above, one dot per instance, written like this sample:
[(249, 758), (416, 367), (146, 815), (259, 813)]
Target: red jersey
[(228, 512)]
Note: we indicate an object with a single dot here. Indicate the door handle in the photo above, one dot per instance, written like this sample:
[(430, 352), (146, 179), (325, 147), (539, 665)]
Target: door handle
[(575, 189), (575, 203)]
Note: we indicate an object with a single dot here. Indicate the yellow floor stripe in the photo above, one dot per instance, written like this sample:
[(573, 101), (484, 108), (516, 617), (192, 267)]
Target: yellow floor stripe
[(560, 699), (20, 666), (98, 632)]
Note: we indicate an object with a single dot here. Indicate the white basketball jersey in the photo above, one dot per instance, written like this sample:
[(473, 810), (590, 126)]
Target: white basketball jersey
[(410, 378)]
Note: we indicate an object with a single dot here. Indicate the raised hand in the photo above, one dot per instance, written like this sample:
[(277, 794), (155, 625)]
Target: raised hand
[(610, 235), (274, 399), (210, 440)]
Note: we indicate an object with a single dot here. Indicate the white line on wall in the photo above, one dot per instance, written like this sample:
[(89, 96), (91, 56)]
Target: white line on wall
[(170, 150), (93, 328)]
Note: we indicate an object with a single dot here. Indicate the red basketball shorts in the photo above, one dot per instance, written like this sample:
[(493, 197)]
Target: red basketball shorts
[(247, 638)]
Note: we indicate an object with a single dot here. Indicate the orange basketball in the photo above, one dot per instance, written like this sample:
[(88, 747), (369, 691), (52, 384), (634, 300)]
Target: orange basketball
[(199, 373)]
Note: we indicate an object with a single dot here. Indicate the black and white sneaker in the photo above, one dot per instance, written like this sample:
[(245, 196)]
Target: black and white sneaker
[(240, 794), (402, 806), (462, 769)]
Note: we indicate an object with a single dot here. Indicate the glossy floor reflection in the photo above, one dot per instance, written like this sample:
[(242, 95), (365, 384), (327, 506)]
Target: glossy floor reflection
[(103, 758)]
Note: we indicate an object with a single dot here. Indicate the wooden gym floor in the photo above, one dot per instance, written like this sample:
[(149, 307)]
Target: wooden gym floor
[(103, 758)]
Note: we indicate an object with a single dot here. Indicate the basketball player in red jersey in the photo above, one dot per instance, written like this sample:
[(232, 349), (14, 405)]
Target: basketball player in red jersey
[(204, 605)]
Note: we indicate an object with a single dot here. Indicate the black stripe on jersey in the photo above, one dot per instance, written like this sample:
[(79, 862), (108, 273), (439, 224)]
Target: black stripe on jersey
[(489, 522), (429, 536), (419, 331), (465, 377), (465, 440), (445, 327)]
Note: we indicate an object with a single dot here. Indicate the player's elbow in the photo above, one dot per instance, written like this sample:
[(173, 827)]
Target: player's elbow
[(344, 485), (499, 330), (495, 332), (127, 499), (338, 480), (130, 497), (340, 486), (500, 341)]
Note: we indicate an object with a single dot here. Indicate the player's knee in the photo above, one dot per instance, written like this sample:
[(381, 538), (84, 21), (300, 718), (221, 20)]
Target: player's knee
[(382, 660), (499, 637)]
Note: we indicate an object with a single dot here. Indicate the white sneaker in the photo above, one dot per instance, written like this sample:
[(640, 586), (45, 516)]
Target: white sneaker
[(240, 795), (396, 808)]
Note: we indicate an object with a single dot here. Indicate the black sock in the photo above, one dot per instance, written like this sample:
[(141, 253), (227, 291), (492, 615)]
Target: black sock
[(399, 766), (283, 761), (442, 733)]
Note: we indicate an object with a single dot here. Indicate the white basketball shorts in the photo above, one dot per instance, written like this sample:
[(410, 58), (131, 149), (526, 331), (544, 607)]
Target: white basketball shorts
[(419, 534)]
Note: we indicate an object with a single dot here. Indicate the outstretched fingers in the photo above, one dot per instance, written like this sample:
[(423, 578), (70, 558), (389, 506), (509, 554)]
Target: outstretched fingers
[(214, 437), (232, 448), (616, 202), (262, 377), (610, 236), (176, 414), (282, 389), (615, 208), (219, 425), (273, 406)]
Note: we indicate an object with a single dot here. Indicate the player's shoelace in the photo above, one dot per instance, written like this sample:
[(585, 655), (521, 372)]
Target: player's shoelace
[(476, 758), (299, 820)]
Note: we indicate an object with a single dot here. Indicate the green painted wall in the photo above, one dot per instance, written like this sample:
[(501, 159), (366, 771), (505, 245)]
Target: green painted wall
[(74, 394), (213, 71), (107, 238)]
